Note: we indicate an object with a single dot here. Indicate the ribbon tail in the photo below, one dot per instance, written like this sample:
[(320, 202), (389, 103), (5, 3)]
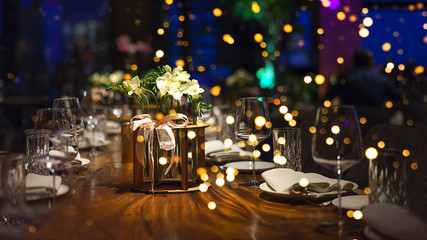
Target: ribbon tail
[(152, 162)]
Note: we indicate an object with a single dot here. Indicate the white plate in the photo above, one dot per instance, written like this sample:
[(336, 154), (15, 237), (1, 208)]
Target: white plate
[(63, 189), (266, 188), (246, 166), (393, 220), (355, 202), (88, 143), (84, 161)]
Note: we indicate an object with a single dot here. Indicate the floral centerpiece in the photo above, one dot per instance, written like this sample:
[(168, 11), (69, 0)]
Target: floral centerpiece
[(165, 87), (161, 146)]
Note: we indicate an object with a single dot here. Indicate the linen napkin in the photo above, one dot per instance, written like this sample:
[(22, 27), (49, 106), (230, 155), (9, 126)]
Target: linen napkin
[(394, 221), (282, 179), (37, 182), (217, 145)]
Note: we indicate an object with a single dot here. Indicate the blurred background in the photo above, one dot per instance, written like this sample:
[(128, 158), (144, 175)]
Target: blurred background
[(298, 54)]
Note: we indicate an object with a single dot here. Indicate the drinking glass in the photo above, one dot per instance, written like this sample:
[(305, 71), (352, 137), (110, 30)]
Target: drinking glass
[(287, 147), (15, 215), (337, 145), (72, 104), (252, 125), (95, 119)]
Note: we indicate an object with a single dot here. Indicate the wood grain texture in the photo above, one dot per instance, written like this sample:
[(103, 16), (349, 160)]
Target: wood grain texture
[(103, 207)]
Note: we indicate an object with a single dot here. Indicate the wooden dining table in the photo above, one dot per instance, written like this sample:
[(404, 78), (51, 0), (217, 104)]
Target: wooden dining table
[(102, 205)]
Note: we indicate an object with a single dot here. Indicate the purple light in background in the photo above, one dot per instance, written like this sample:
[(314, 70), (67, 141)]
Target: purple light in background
[(331, 4)]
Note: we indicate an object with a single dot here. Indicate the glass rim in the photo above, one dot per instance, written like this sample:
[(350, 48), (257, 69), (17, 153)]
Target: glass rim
[(287, 129)]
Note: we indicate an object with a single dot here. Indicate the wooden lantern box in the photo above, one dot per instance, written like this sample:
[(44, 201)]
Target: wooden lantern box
[(182, 175)]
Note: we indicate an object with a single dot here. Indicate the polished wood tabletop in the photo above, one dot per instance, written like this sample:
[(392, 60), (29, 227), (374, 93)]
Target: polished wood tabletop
[(101, 205)]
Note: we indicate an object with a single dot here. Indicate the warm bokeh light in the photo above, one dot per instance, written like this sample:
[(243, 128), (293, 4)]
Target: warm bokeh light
[(283, 109), (258, 37), (214, 169), (191, 134), (228, 142), (229, 120), (228, 38), (180, 63), (381, 144), (256, 154), (216, 90), (159, 53), (340, 60), (287, 28), (260, 121), (327, 103), (419, 70), (266, 147), (292, 123), (280, 160), (140, 138), (163, 161), (217, 12), (364, 32), (335, 129), (389, 104), (288, 117), (220, 182), (320, 31), (371, 153), (211, 205), (386, 47), (405, 153), (312, 129), (341, 16), (303, 182), (329, 141), (168, 2), (319, 79), (308, 79), (203, 187), (357, 215), (367, 21), (255, 7), (160, 31), (281, 140)]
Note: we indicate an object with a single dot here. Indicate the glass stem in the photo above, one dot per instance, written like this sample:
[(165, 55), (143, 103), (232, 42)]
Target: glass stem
[(253, 167), (340, 219), (93, 139)]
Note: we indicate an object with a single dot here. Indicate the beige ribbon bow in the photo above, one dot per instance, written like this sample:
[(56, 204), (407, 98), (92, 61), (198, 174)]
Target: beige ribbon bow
[(165, 136)]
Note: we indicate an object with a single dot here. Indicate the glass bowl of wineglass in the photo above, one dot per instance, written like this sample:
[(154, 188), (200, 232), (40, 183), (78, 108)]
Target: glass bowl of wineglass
[(252, 125), (337, 146)]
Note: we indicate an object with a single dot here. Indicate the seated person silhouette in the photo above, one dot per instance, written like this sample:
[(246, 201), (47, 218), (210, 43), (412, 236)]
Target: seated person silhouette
[(363, 86)]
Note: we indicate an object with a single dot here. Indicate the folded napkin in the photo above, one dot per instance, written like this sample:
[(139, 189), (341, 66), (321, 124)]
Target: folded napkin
[(215, 147), (394, 221), (282, 179), (36, 181)]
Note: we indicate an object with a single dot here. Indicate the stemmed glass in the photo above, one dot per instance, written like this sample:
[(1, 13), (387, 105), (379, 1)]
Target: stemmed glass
[(95, 115), (252, 125), (337, 145), (72, 104), (62, 145)]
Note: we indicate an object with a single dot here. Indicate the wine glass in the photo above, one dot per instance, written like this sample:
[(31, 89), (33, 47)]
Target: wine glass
[(96, 115), (252, 125), (337, 145), (72, 104)]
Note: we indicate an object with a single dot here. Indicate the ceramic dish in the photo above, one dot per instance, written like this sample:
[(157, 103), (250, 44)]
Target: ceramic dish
[(355, 202), (246, 166), (266, 188), (80, 162), (63, 189), (88, 143)]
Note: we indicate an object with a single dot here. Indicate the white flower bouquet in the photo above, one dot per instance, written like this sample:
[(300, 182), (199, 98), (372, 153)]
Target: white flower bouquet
[(106, 79), (165, 87)]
